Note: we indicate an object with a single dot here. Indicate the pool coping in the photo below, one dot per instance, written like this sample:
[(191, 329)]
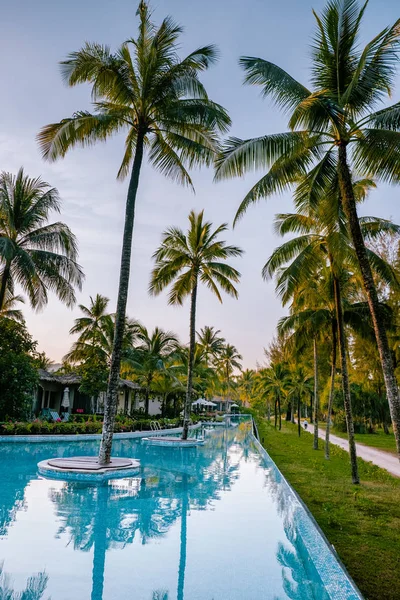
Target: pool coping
[(89, 437), (330, 547)]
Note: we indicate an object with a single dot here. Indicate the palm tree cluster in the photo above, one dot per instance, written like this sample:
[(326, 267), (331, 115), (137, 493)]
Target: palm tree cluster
[(336, 146), (156, 359)]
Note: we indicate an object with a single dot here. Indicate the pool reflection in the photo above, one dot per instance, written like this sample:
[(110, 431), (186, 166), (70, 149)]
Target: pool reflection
[(151, 511)]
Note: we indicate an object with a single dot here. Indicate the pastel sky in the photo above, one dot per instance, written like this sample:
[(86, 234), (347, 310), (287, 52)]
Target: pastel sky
[(37, 35)]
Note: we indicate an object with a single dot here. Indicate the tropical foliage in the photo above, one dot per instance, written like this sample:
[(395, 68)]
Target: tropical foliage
[(185, 260)]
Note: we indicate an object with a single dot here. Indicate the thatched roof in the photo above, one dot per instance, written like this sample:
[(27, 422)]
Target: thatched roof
[(74, 379), (65, 379)]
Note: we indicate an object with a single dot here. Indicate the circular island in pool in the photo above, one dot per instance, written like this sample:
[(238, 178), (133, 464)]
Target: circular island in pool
[(173, 442), (88, 468)]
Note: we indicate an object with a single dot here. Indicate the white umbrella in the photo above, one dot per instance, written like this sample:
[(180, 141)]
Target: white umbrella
[(209, 403), (234, 405), (65, 400)]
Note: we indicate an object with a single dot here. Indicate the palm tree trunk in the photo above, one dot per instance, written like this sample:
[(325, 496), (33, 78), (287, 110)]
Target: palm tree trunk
[(100, 543), (345, 381), (4, 281), (350, 209), (276, 411), (120, 315), (192, 346), (298, 415), (183, 541), (146, 401), (332, 390), (316, 396), (279, 412)]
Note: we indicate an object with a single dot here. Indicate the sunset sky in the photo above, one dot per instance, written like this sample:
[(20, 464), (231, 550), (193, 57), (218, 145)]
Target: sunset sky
[(37, 35)]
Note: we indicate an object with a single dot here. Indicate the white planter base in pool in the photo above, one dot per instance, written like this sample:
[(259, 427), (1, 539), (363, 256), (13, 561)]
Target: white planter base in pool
[(88, 468), (172, 442)]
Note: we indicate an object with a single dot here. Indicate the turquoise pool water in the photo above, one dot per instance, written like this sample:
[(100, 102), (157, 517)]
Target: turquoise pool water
[(216, 522)]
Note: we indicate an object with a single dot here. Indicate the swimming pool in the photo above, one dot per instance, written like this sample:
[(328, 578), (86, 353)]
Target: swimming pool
[(217, 522)]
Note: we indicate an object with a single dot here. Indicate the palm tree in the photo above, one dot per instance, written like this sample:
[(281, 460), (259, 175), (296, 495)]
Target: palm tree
[(299, 385), (204, 377), (96, 334), (272, 382), (149, 356), (35, 254), (185, 260), (246, 384), (334, 130), (91, 327), (8, 309), (145, 90), (211, 342), (229, 360), (325, 238)]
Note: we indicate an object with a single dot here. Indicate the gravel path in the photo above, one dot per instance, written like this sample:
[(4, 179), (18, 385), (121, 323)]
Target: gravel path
[(382, 459)]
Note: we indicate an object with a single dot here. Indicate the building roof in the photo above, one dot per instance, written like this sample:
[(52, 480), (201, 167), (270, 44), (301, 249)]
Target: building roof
[(64, 379), (74, 379)]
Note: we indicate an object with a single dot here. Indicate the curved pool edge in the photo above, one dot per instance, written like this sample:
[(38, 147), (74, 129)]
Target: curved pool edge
[(89, 437), (328, 564)]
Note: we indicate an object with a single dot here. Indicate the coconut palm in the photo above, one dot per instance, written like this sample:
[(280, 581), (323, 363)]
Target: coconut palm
[(149, 355), (37, 255), (299, 385), (96, 333), (334, 130), (272, 382), (184, 260), (229, 360), (146, 91), (325, 239), (8, 309), (204, 377), (211, 342), (246, 384)]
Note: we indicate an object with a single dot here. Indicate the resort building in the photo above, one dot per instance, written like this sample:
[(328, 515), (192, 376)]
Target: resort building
[(55, 391)]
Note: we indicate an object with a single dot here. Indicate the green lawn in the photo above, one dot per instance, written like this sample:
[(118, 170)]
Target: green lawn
[(362, 522)]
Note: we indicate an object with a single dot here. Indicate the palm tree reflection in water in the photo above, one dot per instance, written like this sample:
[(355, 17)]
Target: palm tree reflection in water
[(171, 482)]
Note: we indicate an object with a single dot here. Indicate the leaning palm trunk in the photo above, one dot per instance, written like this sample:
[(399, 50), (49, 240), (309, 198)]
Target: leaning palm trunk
[(332, 390), (120, 316), (192, 346), (350, 209), (345, 382), (316, 396)]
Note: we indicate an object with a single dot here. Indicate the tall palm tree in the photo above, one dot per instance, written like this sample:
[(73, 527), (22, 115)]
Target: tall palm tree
[(211, 342), (35, 254), (149, 356), (334, 130), (145, 90), (299, 385), (185, 260), (246, 384), (229, 360), (324, 239), (273, 382)]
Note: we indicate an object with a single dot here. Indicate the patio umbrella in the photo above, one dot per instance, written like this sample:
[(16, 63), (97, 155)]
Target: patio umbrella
[(209, 403), (65, 400), (234, 405)]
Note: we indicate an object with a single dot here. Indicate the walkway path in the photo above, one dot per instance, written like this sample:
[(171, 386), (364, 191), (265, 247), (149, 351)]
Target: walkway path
[(382, 459)]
